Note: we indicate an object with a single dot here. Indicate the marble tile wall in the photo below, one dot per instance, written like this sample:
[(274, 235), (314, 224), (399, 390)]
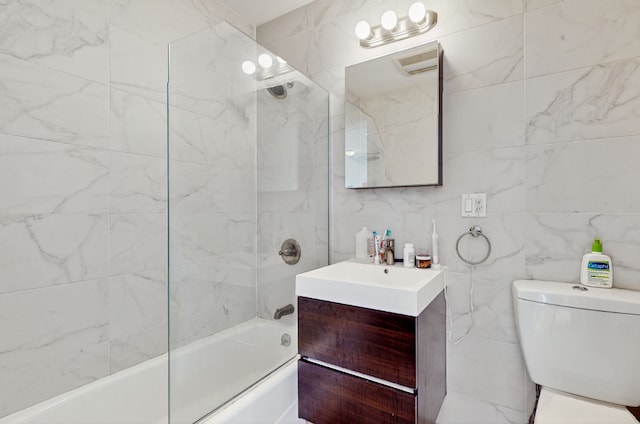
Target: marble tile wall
[(292, 187), (83, 196), (212, 185), (541, 112)]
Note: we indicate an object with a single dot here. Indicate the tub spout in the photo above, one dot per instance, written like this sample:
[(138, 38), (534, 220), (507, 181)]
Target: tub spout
[(285, 310)]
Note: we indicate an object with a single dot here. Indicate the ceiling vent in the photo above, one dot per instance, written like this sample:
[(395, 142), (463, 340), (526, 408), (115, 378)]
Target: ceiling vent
[(417, 62)]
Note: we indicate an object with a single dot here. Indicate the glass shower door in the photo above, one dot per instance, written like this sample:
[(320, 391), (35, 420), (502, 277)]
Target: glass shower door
[(248, 168)]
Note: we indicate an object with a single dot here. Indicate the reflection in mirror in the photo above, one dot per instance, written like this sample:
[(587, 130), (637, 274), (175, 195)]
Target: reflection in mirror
[(393, 120)]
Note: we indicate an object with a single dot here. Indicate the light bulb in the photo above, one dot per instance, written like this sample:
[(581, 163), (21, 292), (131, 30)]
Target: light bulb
[(248, 67), (417, 12), (281, 60), (363, 30), (265, 60), (389, 20)]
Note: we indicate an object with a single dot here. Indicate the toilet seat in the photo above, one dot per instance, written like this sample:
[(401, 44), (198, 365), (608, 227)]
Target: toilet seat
[(555, 407)]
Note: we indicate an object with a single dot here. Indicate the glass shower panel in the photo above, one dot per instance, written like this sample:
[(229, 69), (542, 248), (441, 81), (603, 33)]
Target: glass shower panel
[(248, 168), (292, 185)]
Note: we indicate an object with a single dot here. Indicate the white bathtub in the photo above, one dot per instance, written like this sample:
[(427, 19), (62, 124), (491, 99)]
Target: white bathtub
[(204, 374)]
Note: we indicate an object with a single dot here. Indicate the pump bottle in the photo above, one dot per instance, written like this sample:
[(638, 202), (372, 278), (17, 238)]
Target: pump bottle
[(597, 268)]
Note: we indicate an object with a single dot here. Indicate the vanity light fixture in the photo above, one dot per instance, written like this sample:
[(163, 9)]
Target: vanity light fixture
[(392, 28)]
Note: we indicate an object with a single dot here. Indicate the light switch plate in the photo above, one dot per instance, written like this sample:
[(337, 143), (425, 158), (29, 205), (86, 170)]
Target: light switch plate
[(474, 205)]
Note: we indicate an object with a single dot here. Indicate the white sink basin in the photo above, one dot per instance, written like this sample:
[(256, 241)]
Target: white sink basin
[(395, 289)]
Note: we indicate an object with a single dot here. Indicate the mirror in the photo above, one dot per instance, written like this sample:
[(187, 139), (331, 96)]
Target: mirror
[(393, 135)]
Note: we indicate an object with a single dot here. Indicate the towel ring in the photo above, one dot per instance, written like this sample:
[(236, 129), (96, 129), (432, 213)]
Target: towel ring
[(475, 231)]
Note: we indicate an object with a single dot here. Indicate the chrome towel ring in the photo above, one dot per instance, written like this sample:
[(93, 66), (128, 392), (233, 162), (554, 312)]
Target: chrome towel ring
[(474, 231)]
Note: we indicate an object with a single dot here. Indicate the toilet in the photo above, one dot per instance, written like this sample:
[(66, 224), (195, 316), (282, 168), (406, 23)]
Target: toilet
[(582, 345)]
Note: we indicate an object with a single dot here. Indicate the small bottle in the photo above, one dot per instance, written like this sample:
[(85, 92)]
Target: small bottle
[(361, 245), (597, 268), (409, 255)]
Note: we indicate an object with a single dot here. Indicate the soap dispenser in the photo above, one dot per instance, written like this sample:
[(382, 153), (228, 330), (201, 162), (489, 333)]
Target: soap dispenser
[(597, 268)]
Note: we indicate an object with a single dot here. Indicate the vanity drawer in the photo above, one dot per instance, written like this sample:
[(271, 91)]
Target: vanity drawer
[(376, 343), (328, 396)]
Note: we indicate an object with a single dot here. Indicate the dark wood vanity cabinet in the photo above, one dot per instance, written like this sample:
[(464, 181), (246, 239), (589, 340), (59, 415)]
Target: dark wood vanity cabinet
[(361, 365)]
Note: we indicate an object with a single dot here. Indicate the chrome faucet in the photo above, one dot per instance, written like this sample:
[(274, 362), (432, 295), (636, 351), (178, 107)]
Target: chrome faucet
[(389, 257)]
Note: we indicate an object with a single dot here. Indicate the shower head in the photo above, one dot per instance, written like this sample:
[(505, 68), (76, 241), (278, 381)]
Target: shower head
[(279, 91)]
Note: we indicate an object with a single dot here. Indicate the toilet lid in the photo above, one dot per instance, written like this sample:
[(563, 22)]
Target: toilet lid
[(556, 407)]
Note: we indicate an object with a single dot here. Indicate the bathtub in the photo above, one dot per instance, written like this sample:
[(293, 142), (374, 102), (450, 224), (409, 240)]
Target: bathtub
[(205, 374)]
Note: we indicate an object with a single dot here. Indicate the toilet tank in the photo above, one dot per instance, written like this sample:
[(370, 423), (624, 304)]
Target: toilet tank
[(580, 340)]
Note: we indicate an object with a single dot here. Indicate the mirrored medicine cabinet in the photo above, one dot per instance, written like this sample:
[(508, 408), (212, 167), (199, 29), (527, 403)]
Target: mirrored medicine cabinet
[(393, 120)]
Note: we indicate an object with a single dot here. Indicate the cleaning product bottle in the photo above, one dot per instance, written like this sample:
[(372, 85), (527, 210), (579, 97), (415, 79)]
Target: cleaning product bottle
[(361, 245), (597, 269)]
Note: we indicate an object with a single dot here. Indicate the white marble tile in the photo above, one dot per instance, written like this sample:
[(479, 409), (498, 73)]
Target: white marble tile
[(275, 227), (52, 376), (66, 35), (286, 127), (170, 19), (492, 306), (327, 46), (487, 55), (499, 173), (51, 321), (38, 176), (585, 104), (487, 370), (130, 350), (275, 290), (535, 4), (137, 303), (137, 66), (242, 131), (460, 15), (196, 188), (210, 296), (43, 250), (556, 243), (198, 236), (286, 25), (237, 20), (51, 105), (138, 184), (561, 37), (137, 243), (469, 124), (285, 191), (137, 125), (198, 138), (590, 176), (506, 233), (199, 69), (242, 190), (324, 11), (460, 409)]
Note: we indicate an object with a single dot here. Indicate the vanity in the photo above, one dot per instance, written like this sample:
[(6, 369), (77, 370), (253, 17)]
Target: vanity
[(372, 344)]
